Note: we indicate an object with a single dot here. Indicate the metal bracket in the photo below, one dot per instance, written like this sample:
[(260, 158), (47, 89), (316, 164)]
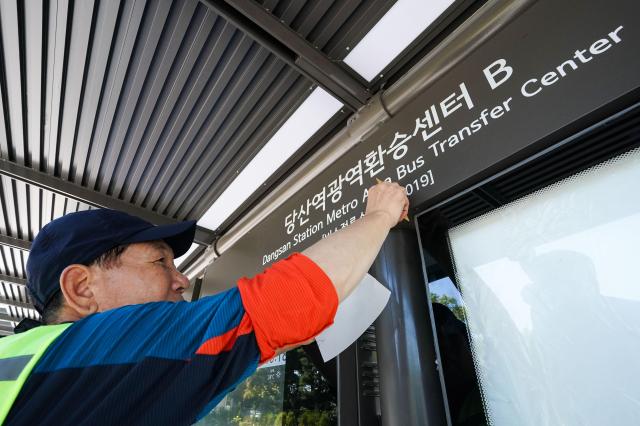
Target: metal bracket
[(15, 243), (296, 51)]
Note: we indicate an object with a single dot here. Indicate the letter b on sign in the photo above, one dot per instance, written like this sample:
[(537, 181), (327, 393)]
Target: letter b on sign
[(497, 73)]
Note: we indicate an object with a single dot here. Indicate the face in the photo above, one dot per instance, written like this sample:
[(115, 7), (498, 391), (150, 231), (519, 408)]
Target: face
[(144, 273)]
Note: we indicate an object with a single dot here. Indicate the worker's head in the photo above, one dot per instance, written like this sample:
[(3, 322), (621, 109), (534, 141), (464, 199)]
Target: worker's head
[(97, 260)]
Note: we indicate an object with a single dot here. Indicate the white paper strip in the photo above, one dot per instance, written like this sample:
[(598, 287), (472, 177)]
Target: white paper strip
[(355, 314)]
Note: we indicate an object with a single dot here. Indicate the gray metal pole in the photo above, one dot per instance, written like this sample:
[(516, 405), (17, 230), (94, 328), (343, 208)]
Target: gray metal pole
[(410, 389)]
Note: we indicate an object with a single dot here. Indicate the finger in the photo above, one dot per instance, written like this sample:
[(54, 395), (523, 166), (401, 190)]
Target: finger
[(403, 217), (405, 212), (405, 209)]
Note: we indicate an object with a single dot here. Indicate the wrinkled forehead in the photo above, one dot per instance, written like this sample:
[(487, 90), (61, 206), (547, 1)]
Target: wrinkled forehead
[(156, 246), (161, 246)]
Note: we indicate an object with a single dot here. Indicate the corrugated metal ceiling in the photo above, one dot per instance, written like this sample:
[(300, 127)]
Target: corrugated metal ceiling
[(332, 26), (156, 103)]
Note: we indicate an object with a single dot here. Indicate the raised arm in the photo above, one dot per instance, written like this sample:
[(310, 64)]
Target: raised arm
[(291, 302), (346, 255)]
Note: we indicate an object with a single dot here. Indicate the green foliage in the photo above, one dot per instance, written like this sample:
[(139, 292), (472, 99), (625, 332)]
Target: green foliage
[(451, 303), (295, 395)]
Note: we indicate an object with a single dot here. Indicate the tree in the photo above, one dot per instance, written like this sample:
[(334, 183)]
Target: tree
[(293, 395), (451, 303)]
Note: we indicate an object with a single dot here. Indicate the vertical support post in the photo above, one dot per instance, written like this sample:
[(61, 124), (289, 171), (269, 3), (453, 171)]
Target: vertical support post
[(358, 393), (347, 366), (410, 388)]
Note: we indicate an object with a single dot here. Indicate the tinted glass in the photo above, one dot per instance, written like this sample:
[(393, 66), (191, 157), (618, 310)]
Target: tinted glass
[(287, 391), (553, 300)]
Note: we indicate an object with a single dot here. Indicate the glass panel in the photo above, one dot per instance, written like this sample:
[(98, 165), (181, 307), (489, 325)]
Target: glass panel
[(552, 300), (445, 293), (256, 401), (456, 363), (310, 400), (279, 394)]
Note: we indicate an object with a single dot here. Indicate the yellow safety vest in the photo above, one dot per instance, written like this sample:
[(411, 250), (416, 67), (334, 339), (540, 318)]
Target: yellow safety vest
[(18, 355)]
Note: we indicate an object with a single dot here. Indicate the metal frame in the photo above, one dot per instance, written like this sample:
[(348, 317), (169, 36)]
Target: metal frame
[(13, 280), (289, 46), (497, 200), (16, 303), (458, 12), (16, 243), (93, 198), (197, 287), (6, 317)]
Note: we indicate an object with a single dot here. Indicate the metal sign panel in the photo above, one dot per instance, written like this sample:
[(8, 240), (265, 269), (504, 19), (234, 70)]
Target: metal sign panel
[(555, 64)]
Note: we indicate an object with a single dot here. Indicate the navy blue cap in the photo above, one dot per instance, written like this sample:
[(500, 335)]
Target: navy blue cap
[(82, 237)]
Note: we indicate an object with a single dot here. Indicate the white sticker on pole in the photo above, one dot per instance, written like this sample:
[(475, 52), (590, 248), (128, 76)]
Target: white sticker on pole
[(355, 314)]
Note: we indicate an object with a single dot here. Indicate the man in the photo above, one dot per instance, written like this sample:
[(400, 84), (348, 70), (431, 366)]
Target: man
[(124, 348)]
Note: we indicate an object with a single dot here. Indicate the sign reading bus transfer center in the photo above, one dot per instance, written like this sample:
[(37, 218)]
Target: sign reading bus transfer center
[(552, 65)]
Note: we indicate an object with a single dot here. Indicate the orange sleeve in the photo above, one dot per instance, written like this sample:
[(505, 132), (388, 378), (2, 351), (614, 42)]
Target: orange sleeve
[(290, 302)]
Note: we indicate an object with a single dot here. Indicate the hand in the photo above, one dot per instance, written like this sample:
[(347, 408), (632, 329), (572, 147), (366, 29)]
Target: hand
[(346, 255), (389, 199)]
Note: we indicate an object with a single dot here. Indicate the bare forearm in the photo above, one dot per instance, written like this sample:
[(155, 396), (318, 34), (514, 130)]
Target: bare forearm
[(346, 255)]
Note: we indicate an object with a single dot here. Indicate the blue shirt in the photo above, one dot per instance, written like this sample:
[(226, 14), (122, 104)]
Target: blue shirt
[(168, 363), (108, 363)]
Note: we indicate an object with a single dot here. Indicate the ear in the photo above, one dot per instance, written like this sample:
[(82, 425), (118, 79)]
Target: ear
[(75, 285)]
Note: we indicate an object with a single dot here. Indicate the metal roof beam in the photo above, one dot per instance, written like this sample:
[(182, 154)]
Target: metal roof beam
[(94, 198), (13, 280), (16, 303), (16, 243), (457, 46), (289, 46)]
